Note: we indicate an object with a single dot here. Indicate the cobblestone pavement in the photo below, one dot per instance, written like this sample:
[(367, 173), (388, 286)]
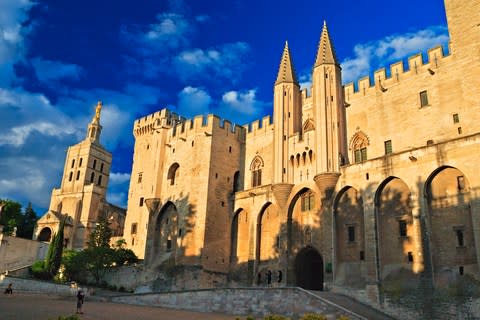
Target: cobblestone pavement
[(29, 306)]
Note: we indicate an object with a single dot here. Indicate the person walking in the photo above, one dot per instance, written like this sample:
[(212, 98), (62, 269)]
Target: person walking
[(269, 278), (80, 300)]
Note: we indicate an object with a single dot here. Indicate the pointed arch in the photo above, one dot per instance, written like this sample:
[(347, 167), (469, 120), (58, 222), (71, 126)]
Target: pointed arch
[(358, 145), (173, 173), (256, 171), (308, 125)]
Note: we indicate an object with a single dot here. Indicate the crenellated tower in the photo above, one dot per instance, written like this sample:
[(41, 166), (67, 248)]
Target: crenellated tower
[(463, 17), (287, 113), (328, 108)]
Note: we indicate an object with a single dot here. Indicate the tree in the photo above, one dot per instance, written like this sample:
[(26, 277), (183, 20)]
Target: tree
[(54, 255), (27, 224), (11, 215), (100, 237)]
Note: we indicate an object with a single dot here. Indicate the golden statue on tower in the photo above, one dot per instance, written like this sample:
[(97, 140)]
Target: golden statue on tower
[(98, 109)]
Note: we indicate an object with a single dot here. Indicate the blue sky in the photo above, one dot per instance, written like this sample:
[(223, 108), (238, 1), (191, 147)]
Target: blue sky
[(57, 58)]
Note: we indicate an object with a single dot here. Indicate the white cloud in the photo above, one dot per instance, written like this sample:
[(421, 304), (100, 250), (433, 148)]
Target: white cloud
[(368, 56), (226, 61), (171, 31), (12, 14), (193, 101), (241, 105), (305, 80), (117, 198), (48, 70), (119, 178)]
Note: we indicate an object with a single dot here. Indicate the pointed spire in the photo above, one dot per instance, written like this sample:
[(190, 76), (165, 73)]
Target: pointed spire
[(286, 72), (325, 53)]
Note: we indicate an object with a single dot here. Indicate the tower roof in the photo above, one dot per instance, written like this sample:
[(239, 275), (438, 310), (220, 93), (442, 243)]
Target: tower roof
[(325, 53), (286, 71)]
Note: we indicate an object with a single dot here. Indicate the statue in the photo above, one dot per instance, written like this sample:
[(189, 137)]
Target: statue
[(98, 109)]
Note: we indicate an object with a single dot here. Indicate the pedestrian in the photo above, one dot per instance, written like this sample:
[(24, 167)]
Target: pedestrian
[(259, 278), (269, 278), (9, 289), (80, 300), (279, 276)]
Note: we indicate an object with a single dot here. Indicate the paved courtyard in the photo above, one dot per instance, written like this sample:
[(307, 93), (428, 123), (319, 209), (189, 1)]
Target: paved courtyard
[(26, 306)]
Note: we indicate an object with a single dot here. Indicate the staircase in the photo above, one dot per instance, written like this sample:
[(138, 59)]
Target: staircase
[(352, 305)]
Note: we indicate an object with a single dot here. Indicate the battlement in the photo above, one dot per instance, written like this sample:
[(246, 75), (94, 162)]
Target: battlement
[(258, 127), (181, 127), (397, 73)]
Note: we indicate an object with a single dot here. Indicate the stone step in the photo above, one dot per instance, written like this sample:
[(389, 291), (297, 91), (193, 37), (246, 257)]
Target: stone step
[(348, 303)]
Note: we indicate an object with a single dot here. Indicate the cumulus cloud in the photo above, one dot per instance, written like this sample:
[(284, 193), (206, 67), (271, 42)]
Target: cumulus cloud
[(242, 105), (227, 61), (193, 101), (48, 70), (368, 56), (305, 80), (119, 178)]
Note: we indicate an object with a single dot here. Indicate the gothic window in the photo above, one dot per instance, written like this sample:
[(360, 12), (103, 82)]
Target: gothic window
[(78, 174), (307, 201), (80, 162), (358, 145), (101, 167), (92, 177), (73, 163), (99, 180), (94, 164), (256, 169), (173, 173), (70, 176)]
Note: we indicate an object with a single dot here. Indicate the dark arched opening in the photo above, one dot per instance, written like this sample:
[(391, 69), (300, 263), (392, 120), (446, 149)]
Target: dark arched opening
[(45, 235), (309, 269)]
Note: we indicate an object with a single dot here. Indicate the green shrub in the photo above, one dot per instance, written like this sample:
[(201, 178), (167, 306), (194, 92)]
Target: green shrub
[(342, 317), (313, 316), (40, 271), (275, 317), (72, 317)]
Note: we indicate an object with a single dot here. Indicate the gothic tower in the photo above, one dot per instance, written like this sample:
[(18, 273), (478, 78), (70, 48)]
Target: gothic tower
[(463, 17), (328, 108), (287, 114), (81, 196)]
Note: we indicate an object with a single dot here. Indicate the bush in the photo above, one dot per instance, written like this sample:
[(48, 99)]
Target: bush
[(40, 271), (313, 316), (275, 317), (342, 317)]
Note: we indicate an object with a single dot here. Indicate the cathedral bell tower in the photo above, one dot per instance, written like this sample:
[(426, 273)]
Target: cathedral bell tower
[(287, 114), (329, 112)]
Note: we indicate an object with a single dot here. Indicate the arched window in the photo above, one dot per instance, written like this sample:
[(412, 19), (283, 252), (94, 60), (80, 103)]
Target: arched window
[(92, 177), (256, 169), (358, 145), (236, 181), (172, 173)]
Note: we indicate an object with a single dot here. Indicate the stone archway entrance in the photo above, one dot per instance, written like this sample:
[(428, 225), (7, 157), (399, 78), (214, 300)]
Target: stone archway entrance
[(309, 269), (45, 235)]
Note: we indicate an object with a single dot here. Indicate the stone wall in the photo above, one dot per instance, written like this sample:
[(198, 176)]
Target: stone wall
[(242, 301), (29, 285), (18, 253)]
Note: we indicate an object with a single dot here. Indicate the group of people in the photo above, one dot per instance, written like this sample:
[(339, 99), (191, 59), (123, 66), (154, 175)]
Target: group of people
[(268, 277)]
